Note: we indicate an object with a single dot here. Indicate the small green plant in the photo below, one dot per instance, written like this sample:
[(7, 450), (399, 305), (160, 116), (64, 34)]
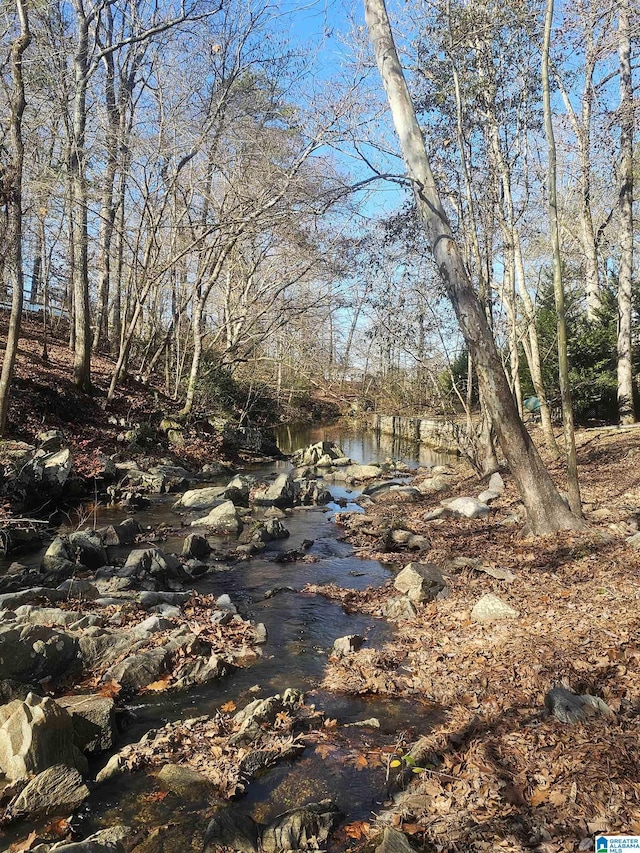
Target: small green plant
[(404, 761)]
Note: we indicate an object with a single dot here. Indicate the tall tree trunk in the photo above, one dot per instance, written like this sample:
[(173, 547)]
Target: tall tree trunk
[(573, 487), (14, 212), (546, 511), (82, 337), (626, 408), (107, 206)]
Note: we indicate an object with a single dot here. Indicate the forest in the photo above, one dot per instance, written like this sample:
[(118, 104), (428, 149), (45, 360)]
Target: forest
[(367, 261)]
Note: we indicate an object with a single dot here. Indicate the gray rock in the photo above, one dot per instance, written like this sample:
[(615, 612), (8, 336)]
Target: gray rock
[(347, 645), (223, 519), (56, 467), (466, 507), (97, 647), (421, 582), (86, 548), (442, 470), (34, 734), (322, 450), (11, 600), (197, 499), (183, 780), (363, 472), (432, 485), (108, 840), (138, 670), (490, 608), (274, 512), (261, 635), (488, 496), (149, 599), (634, 541), (58, 553), (306, 828), (225, 603), (83, 590), (32, 652), (151, 625), (115, 766), (196, 546), (154, 562), (230, 831), (58, 789), (51, 440), (263, 712), (496, 572), (27, 613), (282, 492), (568, 707), (418, 543), (496, 483), (94, 721), (397, 609), (271, 530), (435, 514), (237, 491), (312, 492), (199, 671), (169, 611), (393, 842), (120, 534)]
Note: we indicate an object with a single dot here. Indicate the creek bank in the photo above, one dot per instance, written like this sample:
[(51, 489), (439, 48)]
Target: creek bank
[(521, 617), (144, 458), (123, 619)]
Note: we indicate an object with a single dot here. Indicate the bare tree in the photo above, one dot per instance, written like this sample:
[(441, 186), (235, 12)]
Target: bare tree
[(626, 407), (11, 195), (546, 511)]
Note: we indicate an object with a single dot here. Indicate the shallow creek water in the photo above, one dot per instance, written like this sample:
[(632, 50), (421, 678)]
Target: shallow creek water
[(301, 631)]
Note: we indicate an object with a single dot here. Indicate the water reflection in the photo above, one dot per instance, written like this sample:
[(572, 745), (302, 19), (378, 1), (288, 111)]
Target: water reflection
[(361, 445)]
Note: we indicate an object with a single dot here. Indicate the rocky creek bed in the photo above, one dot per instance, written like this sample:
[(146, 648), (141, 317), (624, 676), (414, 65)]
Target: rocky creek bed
[(161, 681), (227, 670)]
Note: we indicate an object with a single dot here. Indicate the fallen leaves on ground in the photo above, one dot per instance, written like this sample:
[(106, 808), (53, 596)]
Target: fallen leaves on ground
[(498, 773)]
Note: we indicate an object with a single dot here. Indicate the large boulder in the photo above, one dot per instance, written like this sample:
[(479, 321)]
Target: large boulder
[(283, 492), (306, 828), (98, 647), (466, 507), (196, 546), (238, 491), (197, 499), (154, 562), (46, 615), (223, 519), (230, 831), (57, 790), (160, 479), (363, 472), (35, 734), (398, 609), (56, 467), (323, 454), (87, 548), (312, 492), (31, 652), (139, 670), (94, 721), (421, 582)]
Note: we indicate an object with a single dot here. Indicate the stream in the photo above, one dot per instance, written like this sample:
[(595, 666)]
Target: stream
[(301, 631)]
